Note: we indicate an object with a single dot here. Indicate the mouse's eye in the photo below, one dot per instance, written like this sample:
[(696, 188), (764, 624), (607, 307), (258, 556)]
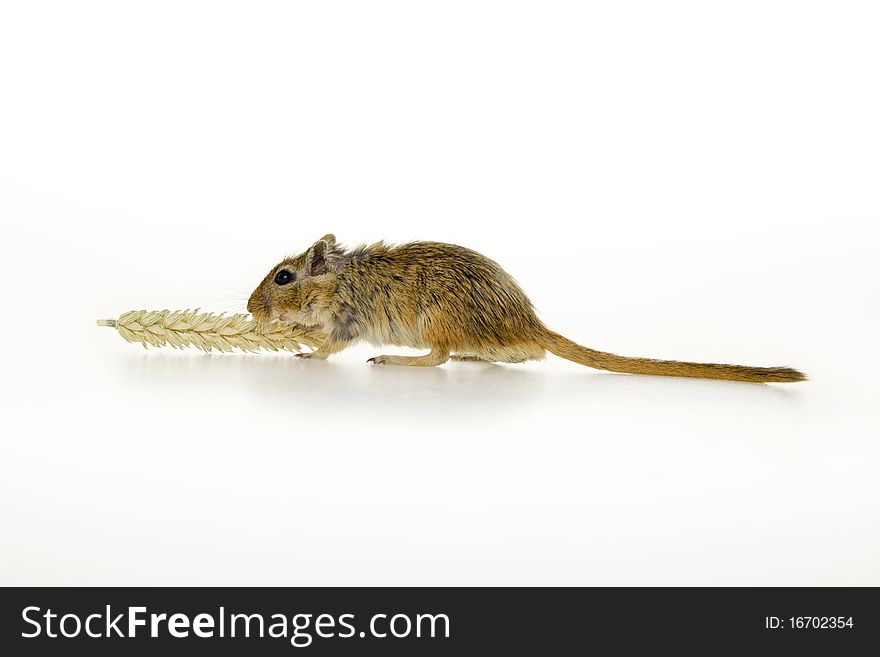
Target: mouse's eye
[(284, 277)]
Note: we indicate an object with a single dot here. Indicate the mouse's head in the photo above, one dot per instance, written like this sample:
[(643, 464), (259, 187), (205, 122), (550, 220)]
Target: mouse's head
[(299, 289)]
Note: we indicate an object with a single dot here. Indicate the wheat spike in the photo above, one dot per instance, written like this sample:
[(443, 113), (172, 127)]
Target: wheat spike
[(191, 328)]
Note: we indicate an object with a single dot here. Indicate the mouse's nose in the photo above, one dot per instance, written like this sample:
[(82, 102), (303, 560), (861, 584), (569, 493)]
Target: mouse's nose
[(259, 306), (256, 304)]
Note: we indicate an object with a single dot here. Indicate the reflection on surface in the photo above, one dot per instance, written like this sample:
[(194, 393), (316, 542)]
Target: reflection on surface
[(475, 388)]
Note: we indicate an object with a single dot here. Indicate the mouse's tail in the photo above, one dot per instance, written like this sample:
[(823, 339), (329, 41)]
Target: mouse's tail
[(565, 348)]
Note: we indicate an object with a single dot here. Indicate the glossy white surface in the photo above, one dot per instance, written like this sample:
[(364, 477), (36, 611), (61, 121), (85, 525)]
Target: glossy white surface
[(676, 181)]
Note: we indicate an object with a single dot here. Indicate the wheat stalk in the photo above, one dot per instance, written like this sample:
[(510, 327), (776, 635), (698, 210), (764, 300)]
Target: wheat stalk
[(191, 328)]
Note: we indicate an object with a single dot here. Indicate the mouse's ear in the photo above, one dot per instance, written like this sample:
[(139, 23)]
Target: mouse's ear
[(316, 257), (330, 238)]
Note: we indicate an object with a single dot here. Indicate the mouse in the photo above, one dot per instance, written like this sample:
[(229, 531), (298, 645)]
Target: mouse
[(445, 299)]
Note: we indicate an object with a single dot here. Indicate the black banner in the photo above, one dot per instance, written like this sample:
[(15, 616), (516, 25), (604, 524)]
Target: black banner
[(433, 621)]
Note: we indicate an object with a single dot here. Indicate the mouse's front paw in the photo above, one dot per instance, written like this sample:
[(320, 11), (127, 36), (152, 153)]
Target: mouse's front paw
[(311, 355), (379, 360)]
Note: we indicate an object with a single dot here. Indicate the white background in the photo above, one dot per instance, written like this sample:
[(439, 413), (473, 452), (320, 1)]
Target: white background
[(686, 180)]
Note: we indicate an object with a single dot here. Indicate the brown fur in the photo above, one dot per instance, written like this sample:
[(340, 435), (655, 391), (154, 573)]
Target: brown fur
[(444, 298)]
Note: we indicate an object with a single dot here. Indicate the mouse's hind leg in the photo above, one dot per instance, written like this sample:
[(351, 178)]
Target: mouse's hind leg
[(515, 353), (469, 358), (436, 357)]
